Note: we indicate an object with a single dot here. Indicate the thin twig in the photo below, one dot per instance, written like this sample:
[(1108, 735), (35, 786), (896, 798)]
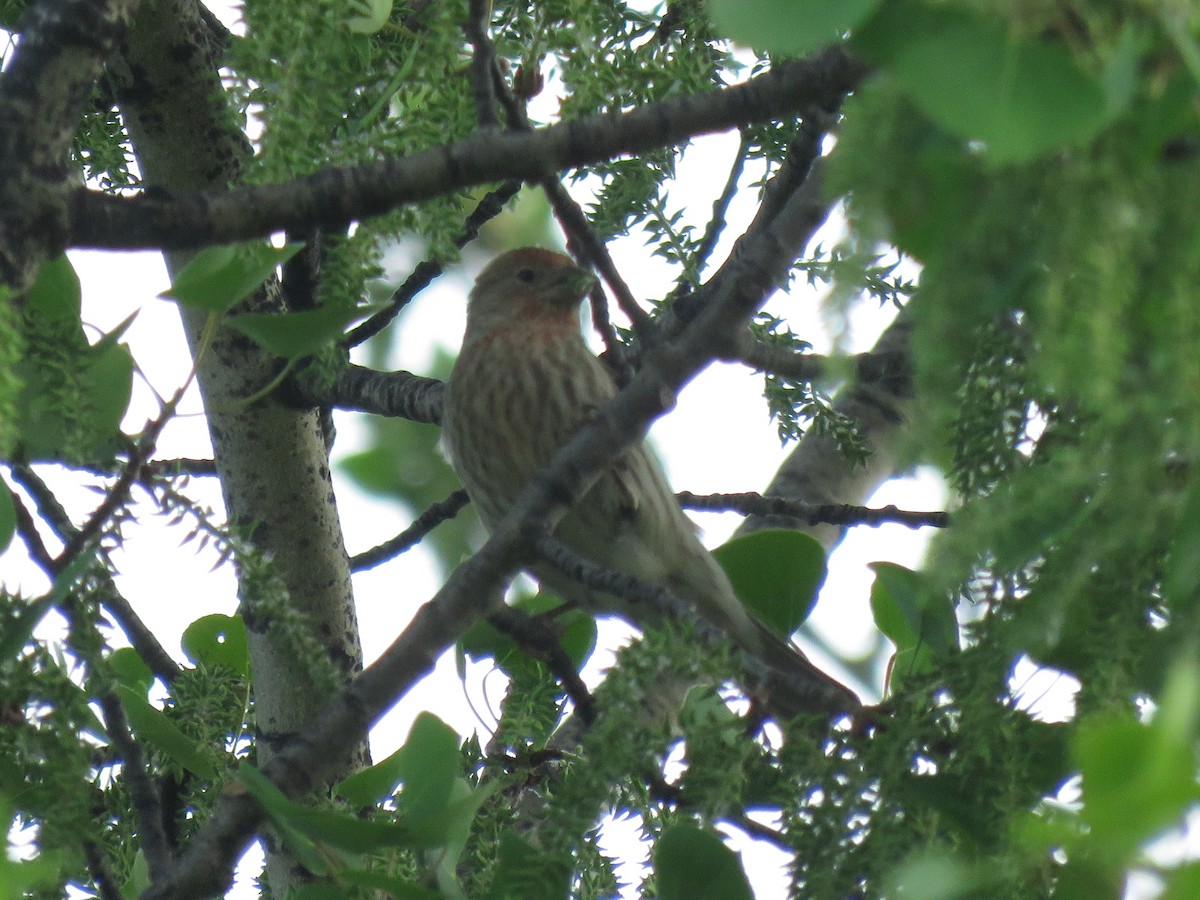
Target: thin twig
[(610, 581), (588, 246), (716, 224), (118, 494), (799, 172), (423, 524), (782, 360), (581, 239), (48, 506), (169, 467), (488, 208), (539, 642), (140, 636), (155, 468), (753, 504), (665, 792), (27, 528)]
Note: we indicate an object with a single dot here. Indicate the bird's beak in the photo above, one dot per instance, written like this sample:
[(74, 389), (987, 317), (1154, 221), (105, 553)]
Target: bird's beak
[(577, 283)]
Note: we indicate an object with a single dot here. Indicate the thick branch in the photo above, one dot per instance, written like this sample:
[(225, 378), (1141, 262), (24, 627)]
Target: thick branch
[(337, 196), (785, 361), (62, 50), (398, 394)]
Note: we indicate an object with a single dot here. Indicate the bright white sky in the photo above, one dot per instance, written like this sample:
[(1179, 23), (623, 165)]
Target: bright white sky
[(717, 439)]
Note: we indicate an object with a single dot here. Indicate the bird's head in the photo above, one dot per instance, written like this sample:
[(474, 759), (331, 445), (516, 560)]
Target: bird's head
[(529, 285)]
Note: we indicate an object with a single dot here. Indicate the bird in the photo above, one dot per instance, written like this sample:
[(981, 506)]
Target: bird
[(524, 383)]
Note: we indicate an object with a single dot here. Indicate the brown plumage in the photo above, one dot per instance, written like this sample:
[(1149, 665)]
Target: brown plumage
[(524, 383)]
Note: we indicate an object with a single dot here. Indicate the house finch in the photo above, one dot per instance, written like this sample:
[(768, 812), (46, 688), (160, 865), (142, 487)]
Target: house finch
[(524, 383)]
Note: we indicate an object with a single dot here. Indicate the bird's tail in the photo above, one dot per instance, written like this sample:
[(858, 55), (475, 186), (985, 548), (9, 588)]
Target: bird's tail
[(781, 676)]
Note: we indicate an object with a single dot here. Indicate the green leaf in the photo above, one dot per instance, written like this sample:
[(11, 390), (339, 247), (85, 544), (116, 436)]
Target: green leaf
[(1138, 779), (372, 784), (693, 864), (921, 625), (452, 830), (908, 614), (928, 875), (218, 640), (295, 334), (1183, 883), (8, 517), (152, 726), (793, 27), (776, 573), (372, 15), (526, 872), (131, 670), (19, 879), (219, 277), (430, 763), (1120, 78), (56, 294), (100, 381), (109, 374), (139, 876), (374, 469), (1021, 98), (342, 830), (449, 828)]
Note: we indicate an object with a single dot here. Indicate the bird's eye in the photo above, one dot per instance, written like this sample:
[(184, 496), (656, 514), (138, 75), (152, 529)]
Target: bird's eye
[(526, 275)]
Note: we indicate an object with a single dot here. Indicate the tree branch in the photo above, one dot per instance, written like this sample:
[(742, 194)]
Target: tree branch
[(483, 61), (103, 877), (753, 504), (790, 695), (337, 196), (143, 794), (423, 524), (716, 224)]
